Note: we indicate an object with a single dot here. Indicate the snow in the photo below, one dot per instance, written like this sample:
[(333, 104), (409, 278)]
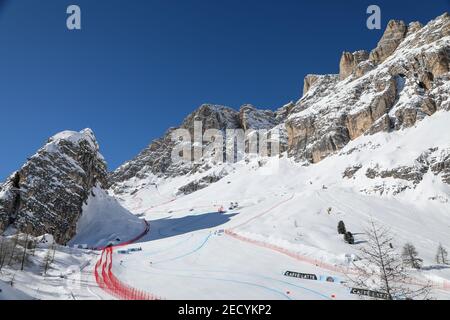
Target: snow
[(286, 219), (282, 214), (105, 220), (289, 210), (10, 293), (73, 137)]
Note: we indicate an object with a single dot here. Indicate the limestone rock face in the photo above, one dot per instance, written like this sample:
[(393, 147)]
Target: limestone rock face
[(414, 27), (47, 194), (394, 34), (350, 63), (310, 79), (402, 81), (380, 94), (435, 160), (155, 161), (252, 118)]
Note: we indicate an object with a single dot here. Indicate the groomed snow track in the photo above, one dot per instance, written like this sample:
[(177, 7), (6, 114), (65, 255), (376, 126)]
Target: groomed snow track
[(109, 283)]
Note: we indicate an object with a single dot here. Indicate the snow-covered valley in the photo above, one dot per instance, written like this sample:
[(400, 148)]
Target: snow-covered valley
[(370, 146)]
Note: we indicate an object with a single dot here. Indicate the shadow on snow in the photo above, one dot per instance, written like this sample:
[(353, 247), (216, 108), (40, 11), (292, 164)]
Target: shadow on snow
[(170, 227)]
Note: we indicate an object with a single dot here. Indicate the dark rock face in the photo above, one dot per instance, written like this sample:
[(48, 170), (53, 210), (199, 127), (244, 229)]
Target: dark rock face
[(440, 165), (47, 194), (201, 183), (350, 171), (436, 160)]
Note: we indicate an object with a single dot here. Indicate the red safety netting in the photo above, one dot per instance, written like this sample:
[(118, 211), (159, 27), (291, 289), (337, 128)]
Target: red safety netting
[(443, 285), (108, 282)]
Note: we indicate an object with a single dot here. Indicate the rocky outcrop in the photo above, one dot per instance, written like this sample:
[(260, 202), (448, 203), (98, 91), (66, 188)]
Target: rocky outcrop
[(353, 63), (413, 27), (308, 82), (47, 194), (156, 161), (440, 164), (351, 171), (402, 81), (252, 118), (381, 94), (435, 160), (394, 34), (201, 183)]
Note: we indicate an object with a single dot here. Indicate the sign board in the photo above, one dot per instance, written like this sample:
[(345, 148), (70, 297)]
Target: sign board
[(307, 276), (369, 293)]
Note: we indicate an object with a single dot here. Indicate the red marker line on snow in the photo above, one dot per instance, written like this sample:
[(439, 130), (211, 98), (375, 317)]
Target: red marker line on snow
[(109, 283)]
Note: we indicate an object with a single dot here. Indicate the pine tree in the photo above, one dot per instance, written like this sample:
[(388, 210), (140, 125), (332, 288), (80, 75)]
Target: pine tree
[(441, 256), (410, 256), (348, 237), (341, 227)]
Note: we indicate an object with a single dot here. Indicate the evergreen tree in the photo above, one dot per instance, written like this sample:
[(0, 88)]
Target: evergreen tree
[(348, 237), (341, 227)]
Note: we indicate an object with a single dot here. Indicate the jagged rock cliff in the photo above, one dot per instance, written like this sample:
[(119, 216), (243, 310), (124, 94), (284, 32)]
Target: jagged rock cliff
[(156, 160), (47, 194), (403, 80)]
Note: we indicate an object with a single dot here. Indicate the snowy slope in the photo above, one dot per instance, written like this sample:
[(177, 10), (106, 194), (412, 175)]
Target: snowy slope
[(288, 207), (9, 293), (104, 220)]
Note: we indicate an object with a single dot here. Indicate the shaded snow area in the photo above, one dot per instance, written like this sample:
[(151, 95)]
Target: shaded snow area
[(104, 220), (9, 293)]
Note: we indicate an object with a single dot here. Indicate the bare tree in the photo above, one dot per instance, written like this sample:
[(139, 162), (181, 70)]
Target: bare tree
[(53, 252), (441, 256), (24, 255), (410, 257), (13, 249), (381, 269), (47, 261), (3, 252), (49, 257)]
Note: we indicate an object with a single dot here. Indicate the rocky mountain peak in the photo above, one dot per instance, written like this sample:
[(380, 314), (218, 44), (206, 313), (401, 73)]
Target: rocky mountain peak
[(393, 35), (46, 195), (402, 81), (212, 117)]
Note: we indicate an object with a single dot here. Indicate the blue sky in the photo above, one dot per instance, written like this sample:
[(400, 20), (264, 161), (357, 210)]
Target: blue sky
[(140, 66)]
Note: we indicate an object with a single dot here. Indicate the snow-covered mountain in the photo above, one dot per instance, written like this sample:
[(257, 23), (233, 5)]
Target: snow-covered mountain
[(369, 143), (399, 83), (56, 186), (155, 162)]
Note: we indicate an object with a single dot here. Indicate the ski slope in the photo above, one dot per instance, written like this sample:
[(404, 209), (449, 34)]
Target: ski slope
[(207, 264), (286, 220)]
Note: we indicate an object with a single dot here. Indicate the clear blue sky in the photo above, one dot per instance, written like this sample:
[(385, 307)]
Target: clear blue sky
[(140, 66)]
